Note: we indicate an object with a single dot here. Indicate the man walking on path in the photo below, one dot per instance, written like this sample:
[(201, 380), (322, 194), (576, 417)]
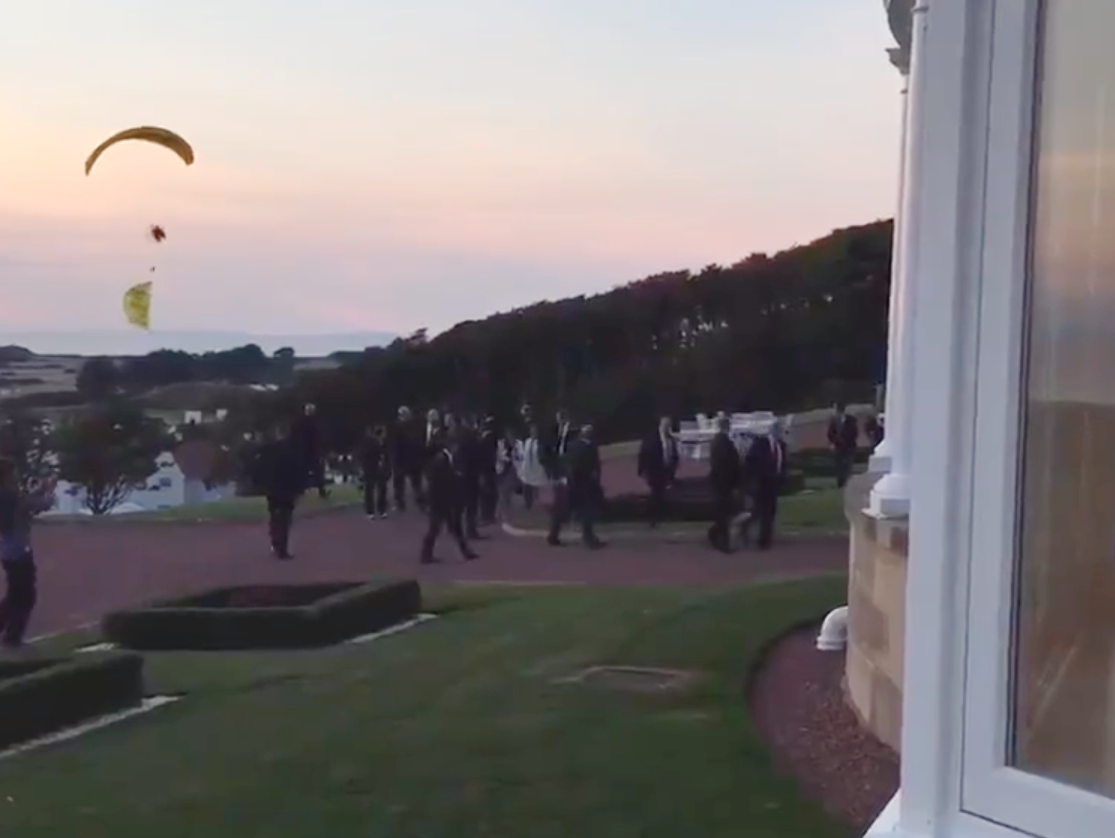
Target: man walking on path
[(444, 499), (407, 458), (375, 470), (725, 477), (843, 436), (280, 473), (658, 466), (583, 489)]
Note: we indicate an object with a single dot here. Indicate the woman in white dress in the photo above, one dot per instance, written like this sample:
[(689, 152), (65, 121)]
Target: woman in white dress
[(532, 474)]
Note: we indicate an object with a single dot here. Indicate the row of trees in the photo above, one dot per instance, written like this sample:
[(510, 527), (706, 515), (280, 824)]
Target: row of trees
[(101, 376), (784, 332)]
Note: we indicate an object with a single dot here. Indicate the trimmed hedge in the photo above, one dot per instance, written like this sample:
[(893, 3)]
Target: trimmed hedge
[(38, 697), (265, 617), (820, 462), (689, 500)]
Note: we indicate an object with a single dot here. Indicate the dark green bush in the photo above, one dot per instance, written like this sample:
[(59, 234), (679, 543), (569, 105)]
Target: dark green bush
[(690, 500), (820, 462), (265, 617), (42, 696)]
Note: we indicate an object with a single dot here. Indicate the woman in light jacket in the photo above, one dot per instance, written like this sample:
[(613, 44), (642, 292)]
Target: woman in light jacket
[(532, 474)]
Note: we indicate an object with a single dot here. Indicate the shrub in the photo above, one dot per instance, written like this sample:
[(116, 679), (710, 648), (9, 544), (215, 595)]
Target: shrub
[(690, 500), (819, 462), (41, 696), (265, 617)]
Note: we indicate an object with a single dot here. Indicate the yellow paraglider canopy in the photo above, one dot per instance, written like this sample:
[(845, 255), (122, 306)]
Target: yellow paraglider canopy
[(147, 133), (137, 305)]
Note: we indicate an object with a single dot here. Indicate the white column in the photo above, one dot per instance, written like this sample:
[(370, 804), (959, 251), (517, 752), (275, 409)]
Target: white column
[(881, 457), (890, 497)]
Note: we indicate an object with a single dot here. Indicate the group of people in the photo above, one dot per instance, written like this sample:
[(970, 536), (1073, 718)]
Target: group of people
[(463, 473), (745, 482)]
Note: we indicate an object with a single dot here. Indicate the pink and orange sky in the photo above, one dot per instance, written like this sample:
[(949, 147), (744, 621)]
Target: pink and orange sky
[(388, 166)]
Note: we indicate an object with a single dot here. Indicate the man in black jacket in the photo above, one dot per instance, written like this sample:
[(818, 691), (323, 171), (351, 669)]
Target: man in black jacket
[(487, 454), (763, 471), (470, 464), (725, 477), (583, 488), (280, 473), (554, 463), (843, 436), (658, 466), (375, 470), (305, 436), (443, 479), (407, 458)]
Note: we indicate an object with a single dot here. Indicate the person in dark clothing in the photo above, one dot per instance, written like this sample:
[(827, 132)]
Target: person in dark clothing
[(763, 471), (488, 454), (375, 468), (658, 466), (471, 459), (583, 488), (280, 474), (444, 498), (875, 429), (305, 437), (725, 477), (843, 436), (407, 459), (16, 553), (554, 453)]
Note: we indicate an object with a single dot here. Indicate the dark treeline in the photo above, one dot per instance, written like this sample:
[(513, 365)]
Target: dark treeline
[(791, 331), (783, 332)]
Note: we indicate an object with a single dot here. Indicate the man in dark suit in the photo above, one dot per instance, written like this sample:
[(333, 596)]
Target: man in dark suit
[(279, 472), (443, 480), (763, 471), (843, 436), (554, 463), (583, 488), (487, 455), (725, 477), (375, 470), (658, 466), (407, 458), (306, 439), (470, 463)]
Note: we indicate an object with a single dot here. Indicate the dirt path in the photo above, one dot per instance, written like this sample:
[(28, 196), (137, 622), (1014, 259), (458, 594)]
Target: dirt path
[(85, 571)]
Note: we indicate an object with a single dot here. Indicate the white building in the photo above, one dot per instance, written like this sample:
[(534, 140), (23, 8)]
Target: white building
[(1002, 369)]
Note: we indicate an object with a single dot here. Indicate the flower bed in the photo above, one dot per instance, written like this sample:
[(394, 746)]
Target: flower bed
[(38, 697), (265, 616)]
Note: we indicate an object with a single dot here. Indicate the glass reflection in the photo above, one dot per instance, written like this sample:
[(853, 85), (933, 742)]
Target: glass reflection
[(1064, 679)]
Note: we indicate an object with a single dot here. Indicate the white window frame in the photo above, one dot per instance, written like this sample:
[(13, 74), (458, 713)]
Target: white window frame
[(990, 787), (969, 247)]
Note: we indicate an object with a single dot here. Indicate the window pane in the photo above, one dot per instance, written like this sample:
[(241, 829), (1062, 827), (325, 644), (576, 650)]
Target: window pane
[(1064, 676)]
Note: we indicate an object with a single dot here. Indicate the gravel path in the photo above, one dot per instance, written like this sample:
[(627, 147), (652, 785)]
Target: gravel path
[(798, 704)]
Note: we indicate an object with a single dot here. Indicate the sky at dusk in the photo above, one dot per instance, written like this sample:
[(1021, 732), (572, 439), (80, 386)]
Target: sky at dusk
[(388, 166)]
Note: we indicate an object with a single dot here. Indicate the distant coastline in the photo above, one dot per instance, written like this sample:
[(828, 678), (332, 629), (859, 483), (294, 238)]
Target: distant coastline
[(120, 343)]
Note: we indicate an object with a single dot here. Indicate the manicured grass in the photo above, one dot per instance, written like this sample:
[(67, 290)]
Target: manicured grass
[(453, 730), (231, 509)]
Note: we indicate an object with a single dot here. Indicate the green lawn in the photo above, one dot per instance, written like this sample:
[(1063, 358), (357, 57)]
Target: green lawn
[(232, 509), (453, 730)]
